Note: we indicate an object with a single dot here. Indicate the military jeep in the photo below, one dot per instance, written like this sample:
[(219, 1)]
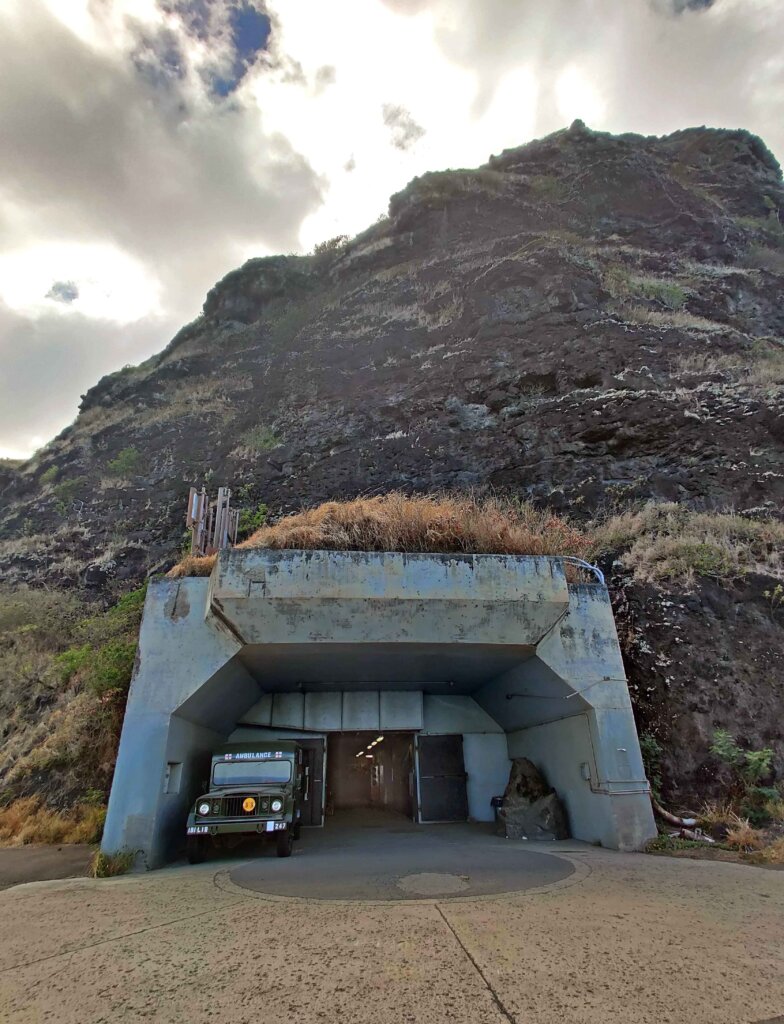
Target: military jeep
[(255, 789)]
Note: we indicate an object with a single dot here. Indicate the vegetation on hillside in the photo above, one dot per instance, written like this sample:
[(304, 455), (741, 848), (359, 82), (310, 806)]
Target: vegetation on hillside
[(65, 669)]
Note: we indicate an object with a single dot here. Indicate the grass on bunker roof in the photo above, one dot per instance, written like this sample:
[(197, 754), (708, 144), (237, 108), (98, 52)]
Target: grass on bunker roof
[(436, 523)]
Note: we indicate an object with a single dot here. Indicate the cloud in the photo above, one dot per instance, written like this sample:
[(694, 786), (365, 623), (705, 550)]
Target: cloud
[(119, 143), (405, 131), (655, 66), (63, 291), (149, 146), (48, 361)]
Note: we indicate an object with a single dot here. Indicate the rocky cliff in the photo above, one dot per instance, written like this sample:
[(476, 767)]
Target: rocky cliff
[(589, 321)]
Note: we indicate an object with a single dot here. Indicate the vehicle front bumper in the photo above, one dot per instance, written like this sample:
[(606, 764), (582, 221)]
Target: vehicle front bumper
[(222, 828)]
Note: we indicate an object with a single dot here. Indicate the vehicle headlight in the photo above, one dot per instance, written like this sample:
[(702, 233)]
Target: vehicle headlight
[(276, 805), (203, 808)]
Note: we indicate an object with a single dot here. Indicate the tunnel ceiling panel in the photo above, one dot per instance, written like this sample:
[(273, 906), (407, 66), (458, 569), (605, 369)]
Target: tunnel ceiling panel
[(435, 668)]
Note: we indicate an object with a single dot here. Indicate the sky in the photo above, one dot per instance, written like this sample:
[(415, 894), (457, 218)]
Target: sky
[(150, 146)]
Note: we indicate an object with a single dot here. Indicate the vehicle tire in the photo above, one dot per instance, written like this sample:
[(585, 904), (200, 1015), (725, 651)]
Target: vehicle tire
[(284, 844), (295, 831), (195, 850)]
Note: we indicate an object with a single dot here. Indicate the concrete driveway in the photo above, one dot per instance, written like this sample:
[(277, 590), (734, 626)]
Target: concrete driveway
[(40, 863), (599, 937)]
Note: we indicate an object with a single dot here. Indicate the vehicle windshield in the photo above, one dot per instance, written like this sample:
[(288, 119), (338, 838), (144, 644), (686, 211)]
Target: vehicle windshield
[(250, 773)]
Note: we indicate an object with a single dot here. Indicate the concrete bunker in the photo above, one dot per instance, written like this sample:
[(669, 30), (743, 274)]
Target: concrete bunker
[(433, 670)]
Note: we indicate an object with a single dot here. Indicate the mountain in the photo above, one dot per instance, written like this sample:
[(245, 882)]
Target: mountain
[(589, 321)]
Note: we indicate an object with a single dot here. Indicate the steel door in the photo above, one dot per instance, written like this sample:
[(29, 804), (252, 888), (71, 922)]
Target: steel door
[(441, 778), (312, 798)]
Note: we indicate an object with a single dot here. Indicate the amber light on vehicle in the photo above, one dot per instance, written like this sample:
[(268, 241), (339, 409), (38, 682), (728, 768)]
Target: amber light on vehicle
[(248, 804)]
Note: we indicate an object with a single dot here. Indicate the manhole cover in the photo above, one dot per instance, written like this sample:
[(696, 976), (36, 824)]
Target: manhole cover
[(429, 883)]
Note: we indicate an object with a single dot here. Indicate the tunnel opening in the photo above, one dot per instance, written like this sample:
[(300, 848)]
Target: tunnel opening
[(370, 777)]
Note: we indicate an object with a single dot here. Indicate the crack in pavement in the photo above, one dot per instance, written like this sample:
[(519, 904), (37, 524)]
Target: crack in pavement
[(496, 998), (116, 938)]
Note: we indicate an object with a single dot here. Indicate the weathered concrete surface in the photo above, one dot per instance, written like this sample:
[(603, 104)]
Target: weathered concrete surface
[(632, 942), (379, 856), (499, 627), (20, 864), (335, 597)]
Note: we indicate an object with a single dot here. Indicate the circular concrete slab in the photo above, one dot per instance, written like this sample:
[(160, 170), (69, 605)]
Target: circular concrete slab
[(429, 862)]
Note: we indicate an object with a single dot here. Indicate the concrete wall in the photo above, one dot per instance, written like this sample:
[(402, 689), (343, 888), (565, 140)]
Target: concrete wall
[(487, 765), (339, 711), (205, 646), (337, 597), (187, 691)]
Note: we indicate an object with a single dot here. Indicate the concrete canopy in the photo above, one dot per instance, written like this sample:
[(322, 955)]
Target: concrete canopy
[(536, 656)]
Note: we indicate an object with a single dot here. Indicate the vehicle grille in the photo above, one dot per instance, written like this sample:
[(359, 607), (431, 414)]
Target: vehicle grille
[(231, 806)]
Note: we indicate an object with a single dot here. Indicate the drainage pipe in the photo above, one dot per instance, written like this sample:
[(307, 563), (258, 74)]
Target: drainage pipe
[(671, 819)]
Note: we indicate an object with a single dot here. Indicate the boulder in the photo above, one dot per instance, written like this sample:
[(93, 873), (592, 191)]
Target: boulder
[(531, 808)]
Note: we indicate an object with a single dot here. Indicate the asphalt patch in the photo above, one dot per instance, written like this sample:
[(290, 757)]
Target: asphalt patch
[(426, 863)]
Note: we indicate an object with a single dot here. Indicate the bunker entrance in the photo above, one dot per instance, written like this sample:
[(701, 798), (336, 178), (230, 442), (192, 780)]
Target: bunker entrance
[(369, 773), (420, 677)]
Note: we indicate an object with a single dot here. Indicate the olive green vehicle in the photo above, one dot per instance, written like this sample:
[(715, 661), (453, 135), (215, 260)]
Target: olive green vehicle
[(255, 789)]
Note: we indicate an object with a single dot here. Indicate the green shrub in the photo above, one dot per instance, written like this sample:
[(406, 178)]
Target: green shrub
[(758, 802), (49, 475), (68, 489), (111, 667), (252, 520), (666, 292), (622, 285), (749, 768), (330, 246), (260, 438), (126, 463), (69, 662)]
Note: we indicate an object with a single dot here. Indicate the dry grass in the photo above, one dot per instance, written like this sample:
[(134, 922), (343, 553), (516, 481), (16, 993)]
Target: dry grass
[(763, 365), (656, 542), (715, 814), (672, 318), (668, 541), (744, 837), (28, 821), (764, 257), (193, 565), (430, 523), (109, 865), (772, 854)]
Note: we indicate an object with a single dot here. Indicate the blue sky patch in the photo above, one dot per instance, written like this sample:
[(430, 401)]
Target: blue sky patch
[(250, 32)]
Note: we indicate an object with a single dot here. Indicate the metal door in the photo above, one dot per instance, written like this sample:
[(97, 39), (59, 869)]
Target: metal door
[(312, 798), (441, 778)]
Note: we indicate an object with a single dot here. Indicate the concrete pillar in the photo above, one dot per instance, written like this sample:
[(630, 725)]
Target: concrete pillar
[(173, 719), (589, 748)]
